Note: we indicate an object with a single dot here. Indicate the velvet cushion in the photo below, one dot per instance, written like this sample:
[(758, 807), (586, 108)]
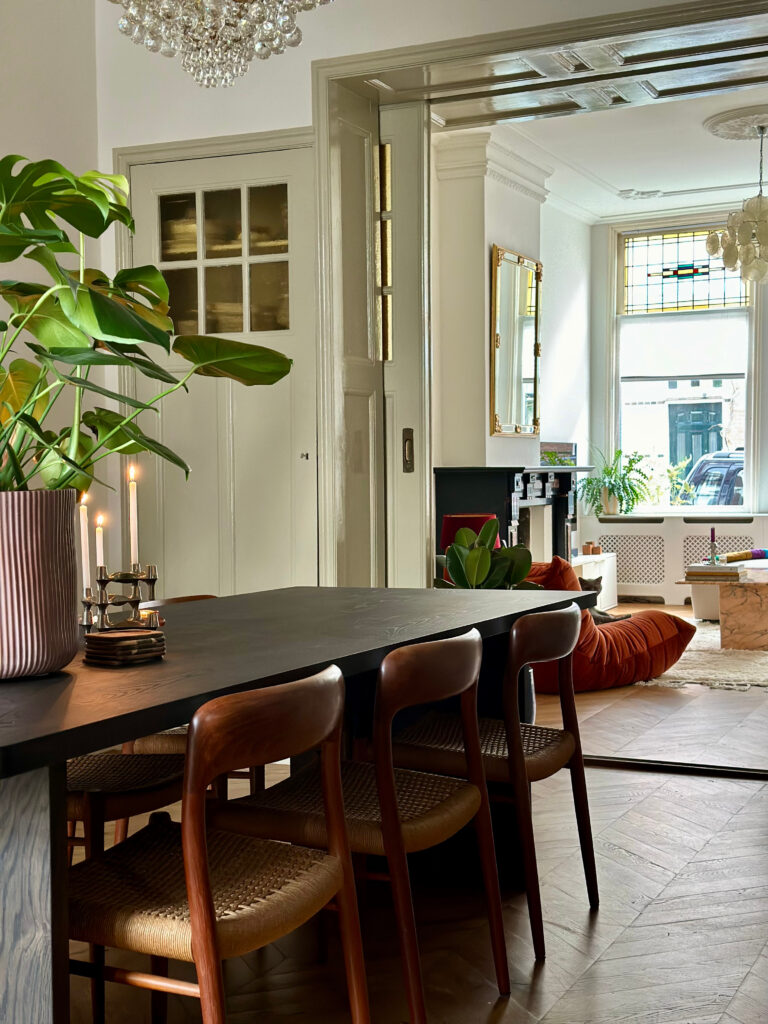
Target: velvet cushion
[(616, 653)]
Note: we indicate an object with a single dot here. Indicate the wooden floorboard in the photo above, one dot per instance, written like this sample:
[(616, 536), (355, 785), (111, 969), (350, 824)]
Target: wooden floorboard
[(681, 936), (693, 724)]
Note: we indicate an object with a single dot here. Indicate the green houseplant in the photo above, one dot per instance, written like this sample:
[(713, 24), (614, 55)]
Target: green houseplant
[(474, 564), (617, 485), (56, 340)]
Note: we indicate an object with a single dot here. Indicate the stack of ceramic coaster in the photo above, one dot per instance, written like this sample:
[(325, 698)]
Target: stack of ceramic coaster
[(117, 647)]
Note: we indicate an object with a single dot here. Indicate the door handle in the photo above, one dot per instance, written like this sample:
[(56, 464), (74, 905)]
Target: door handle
[(408, 461)]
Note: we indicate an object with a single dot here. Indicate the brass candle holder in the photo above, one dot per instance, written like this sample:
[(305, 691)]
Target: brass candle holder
[(96, 610)]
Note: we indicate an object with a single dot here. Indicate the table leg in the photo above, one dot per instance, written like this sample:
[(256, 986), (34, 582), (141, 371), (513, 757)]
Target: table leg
[(34, 982)]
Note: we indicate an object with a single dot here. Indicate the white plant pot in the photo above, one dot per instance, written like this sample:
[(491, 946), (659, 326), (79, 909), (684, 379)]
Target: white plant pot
[(610, 503), (38, 582)]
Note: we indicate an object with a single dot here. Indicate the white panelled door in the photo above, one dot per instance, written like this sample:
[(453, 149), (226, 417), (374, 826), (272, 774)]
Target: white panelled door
[(235, 239)]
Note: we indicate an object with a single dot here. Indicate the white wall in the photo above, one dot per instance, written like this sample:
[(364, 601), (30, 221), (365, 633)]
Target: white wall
[(483, 195), (565, 321), (145, 98), (459, 331), (48, 81)]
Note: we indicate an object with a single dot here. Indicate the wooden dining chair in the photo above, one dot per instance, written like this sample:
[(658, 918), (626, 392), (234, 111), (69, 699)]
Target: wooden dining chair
[(200, 894), (113, 787), (514, 755), (391, 812)]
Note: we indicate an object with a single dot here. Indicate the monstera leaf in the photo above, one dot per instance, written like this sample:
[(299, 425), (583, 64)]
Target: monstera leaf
[(17, 384), (49, 323), (15, 239), (43, 191), (105, 312), (113, 432), (221, 357)]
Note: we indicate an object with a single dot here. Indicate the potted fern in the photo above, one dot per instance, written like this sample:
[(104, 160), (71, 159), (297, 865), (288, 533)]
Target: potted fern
[(616, 486), (55, 338)]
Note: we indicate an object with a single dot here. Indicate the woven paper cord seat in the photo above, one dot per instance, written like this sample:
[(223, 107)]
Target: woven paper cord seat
[(121, 776), (172, 741), (432, 808), (135, 896), (436, 743)]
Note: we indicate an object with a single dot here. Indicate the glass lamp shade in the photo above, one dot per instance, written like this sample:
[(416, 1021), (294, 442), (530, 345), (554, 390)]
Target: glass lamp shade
[(216, 40), (744, 242)]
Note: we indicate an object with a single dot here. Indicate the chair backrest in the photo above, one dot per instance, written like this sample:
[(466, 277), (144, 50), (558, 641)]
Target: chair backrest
[(262, 726), (421, 674), (254, 728), (542, 636), (533, 638)]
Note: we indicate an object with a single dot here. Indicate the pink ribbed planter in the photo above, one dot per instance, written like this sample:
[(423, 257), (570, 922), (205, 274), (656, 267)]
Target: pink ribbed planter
[(38, 582)]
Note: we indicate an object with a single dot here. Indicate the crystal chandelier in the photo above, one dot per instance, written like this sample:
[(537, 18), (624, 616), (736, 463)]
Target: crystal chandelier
[(743, 244), (215, 39)]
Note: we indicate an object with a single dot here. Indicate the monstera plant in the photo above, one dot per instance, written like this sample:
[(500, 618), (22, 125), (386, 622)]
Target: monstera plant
[(58, 333), (59, 414), (473, 563)]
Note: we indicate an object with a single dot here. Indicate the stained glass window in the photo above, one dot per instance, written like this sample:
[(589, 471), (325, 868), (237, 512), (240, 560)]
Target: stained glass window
[(673, 271)]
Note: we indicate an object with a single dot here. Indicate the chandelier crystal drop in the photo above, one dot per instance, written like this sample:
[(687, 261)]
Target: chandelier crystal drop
[(216, 40), (744, 242)]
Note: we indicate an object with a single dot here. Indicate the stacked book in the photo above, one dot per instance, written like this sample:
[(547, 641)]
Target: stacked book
[(715, 572)]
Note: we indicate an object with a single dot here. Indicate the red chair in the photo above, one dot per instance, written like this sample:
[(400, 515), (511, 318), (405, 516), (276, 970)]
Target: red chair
[(453, 522)]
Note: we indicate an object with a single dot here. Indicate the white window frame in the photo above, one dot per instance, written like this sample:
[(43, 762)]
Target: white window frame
[(607, 267)]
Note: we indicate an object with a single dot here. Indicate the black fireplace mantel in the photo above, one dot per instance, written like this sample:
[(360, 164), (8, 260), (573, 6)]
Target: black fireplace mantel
[(503, 490)]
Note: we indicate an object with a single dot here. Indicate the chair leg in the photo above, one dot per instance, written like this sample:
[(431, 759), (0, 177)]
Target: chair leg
[(159, 1006), (71, 833), (484, 830), (93, 835), (525, 831), (581, 805), (409, 943), (258, 779), (121, 830), (352, 944), (220, 787), (96, 954)]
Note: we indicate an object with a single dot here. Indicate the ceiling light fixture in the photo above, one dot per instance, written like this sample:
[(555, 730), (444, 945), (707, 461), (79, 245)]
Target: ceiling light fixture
[(215, 39), (743, 244)]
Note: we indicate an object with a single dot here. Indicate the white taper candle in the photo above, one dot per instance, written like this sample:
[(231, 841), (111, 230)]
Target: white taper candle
[(133, 516), (85, 549), (100, 540)]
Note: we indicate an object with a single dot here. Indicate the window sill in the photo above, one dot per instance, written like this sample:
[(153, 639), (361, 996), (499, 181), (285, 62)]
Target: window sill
[(713, 516)]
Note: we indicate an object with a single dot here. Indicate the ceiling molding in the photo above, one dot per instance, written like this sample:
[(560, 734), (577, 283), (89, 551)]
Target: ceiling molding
[(556, 35), (484, 155), (703, 215), (571, 209)]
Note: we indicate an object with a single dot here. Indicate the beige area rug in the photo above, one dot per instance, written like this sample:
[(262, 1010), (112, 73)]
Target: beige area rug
[(705, 663)]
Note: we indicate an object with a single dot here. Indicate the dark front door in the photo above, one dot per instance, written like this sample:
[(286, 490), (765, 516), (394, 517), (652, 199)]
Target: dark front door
[(694, 430)]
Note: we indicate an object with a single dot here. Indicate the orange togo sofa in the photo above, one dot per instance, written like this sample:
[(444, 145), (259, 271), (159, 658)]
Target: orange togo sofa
[(617, 653)]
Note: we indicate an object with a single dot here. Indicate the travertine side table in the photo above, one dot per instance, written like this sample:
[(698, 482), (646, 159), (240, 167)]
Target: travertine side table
[(744, 613)]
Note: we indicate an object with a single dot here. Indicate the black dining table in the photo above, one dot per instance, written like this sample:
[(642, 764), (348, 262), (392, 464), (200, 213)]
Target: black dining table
[(213, 648)]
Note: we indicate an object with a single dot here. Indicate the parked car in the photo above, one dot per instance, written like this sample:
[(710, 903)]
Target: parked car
[(717, 478)]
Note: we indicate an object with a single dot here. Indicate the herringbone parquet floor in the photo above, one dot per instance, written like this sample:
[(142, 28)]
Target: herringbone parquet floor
[(693, 724), (681, 936)]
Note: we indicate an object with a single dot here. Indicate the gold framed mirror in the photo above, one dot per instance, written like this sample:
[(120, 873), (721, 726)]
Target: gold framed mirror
[(515, 343)]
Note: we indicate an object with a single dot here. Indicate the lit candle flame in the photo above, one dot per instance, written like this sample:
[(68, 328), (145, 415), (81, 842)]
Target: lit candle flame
[(132, 473), (99, 520), (84, 499)]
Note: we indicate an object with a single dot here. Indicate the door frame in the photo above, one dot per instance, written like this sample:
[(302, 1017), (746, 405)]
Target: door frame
[(369, 65)]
